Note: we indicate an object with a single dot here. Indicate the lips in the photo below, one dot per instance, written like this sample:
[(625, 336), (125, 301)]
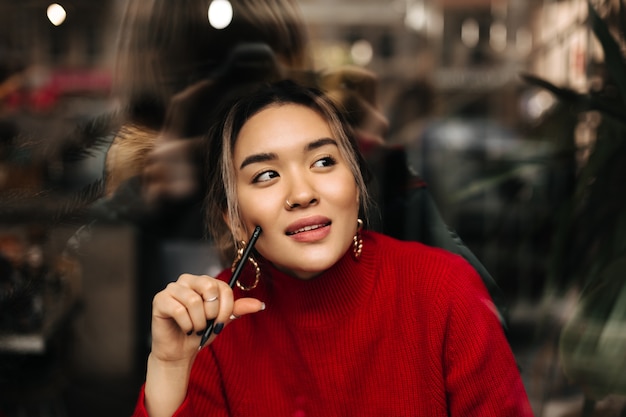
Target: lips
[(307, 225), (307, 229)]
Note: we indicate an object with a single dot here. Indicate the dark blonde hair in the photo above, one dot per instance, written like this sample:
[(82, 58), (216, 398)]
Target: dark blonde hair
[(221, 194)]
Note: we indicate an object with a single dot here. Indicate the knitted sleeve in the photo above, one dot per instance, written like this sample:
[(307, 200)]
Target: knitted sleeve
[(481, 375)]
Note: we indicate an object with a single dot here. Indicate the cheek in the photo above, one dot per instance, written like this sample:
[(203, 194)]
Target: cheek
[(258, 209), (344, 192)]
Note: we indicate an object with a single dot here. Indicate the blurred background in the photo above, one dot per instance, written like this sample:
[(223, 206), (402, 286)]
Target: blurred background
[(511, 111)]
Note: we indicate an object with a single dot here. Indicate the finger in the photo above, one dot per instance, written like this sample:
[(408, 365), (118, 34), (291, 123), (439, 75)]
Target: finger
[(205, 285), (241, 307), (217, 296), (226, 303), (192, 301), (245, 306), (212, 307), (166, 307)]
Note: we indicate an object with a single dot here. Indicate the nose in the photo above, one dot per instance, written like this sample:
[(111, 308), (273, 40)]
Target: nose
[(302, 194)]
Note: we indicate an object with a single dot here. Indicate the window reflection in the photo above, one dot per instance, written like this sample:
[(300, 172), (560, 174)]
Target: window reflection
[(505, 160)]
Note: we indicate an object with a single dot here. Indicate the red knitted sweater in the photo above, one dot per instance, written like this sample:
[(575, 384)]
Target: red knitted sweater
[(406, 330)]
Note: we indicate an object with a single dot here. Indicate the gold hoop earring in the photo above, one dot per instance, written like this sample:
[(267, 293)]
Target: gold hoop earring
[(255, 264), (357, 241)]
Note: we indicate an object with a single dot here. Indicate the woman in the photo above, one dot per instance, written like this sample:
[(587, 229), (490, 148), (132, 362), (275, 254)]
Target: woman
[(329, 319)]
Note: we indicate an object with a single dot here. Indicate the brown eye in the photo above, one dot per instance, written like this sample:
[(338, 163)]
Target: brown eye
[(265, 176), (326, 161)]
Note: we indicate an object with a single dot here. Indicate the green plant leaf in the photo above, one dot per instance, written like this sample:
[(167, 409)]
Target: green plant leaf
[(613, 55), (583, 102), (565, 94)]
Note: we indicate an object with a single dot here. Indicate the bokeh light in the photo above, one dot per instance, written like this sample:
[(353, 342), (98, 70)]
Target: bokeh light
[(470, 34), (220, 13), (56, 14), (361, 52)]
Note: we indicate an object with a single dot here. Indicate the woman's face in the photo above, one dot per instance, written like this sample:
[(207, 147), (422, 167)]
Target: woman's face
[(288, 152)]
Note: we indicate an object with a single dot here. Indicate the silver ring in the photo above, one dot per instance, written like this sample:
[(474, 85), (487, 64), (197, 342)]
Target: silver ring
[(210, 300)]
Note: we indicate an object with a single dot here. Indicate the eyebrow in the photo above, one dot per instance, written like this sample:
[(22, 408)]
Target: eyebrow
[(263, 157), (259, 157)]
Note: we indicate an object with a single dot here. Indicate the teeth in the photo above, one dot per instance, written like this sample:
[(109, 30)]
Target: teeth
[(307, 228)]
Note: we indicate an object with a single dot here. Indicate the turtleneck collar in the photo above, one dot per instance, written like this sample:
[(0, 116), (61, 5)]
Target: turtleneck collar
[(327, 297)]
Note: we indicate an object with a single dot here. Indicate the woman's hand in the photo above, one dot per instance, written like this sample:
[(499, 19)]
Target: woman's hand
[(180, 313), (179, 318)]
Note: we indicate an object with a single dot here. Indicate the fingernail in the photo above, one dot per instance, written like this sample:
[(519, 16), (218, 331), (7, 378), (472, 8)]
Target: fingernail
[(218, 328), (262, 307)]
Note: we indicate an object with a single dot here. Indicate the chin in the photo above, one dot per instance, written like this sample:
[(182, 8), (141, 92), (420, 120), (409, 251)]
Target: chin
[(316, 268), (310, 262)]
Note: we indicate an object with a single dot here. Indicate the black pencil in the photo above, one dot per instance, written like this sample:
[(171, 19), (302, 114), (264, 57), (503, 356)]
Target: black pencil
[(238, 268)]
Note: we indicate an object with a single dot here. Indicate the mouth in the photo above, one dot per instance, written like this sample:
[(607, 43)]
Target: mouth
[(307, 228)]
